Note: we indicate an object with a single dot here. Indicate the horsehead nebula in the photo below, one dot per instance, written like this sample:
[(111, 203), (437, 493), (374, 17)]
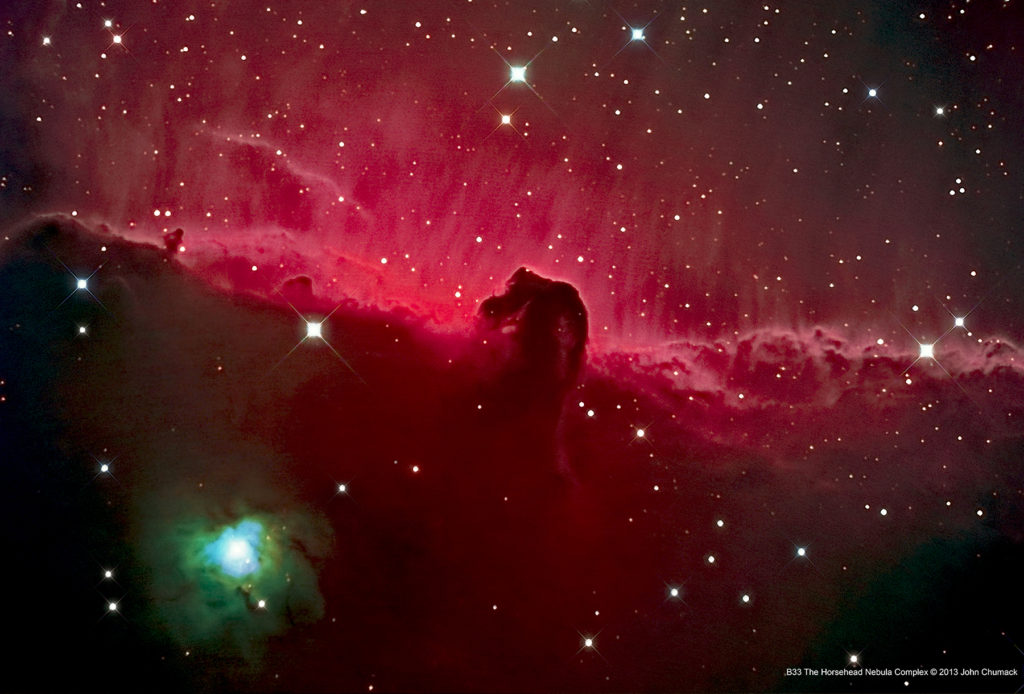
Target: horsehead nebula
[(572, 346)]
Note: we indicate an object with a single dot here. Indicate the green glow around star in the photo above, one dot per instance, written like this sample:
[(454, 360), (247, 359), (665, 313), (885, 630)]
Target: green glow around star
[(238, 582), (237, 550), (241, 563)]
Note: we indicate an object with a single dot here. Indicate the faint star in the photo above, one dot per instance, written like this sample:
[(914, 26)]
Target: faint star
[(505, 119)]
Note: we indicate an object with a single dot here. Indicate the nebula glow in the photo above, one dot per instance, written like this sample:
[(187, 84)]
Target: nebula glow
[(554, 346), (236, 550), (232, 566), (231, 585)]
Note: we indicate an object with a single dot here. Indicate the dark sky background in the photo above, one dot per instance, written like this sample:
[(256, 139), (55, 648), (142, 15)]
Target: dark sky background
[(764, 412)]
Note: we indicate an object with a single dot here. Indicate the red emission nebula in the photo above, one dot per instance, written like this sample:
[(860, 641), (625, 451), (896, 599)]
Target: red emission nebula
[(562, 346)]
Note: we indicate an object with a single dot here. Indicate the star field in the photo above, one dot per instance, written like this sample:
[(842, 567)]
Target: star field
[(567, 346)]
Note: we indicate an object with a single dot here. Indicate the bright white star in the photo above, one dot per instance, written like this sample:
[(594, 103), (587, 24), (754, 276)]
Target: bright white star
[(958, 321), (506, 119), (927, 351), (872, 92), (240, 550), (801, 552), (638, 34), (517, 73), (82, 283), (315, 329)]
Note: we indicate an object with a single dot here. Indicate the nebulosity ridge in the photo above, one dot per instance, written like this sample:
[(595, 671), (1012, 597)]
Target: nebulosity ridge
[(385, 487)]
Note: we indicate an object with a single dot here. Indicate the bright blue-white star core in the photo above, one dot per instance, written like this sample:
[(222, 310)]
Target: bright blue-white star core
[(236, 551)]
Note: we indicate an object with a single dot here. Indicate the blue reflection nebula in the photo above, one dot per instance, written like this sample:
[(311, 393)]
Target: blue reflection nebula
[(236, 551)]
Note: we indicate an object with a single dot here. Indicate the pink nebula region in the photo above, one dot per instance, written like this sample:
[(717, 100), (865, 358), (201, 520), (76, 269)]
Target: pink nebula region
[(571, 346)]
